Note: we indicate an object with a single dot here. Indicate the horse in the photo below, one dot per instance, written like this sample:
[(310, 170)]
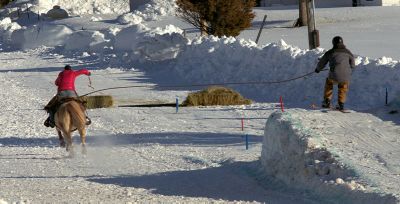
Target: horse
[(69, 117)]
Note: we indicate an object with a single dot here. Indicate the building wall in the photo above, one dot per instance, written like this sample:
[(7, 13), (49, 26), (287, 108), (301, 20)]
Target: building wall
[(391, 3), (333, 3)]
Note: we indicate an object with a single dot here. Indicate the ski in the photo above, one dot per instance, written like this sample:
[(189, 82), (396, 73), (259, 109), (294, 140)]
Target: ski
[(322, 109), (325, 110)]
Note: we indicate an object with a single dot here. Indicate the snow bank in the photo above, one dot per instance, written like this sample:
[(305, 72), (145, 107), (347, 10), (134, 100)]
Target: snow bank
[(40, 35), (92, 41), (232, 60), (79, 7), (395, 103), (127, 38), (297, 156), (206, 60), (150, 44), (7, 27), (150, 12)]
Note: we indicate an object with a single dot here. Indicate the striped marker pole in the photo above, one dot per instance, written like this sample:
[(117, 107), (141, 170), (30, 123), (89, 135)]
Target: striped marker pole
[(386, 97), (242, 124), (281, 102), (177, 104), (247, 142)]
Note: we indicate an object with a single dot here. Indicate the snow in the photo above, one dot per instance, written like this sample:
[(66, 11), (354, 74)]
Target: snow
[(345, 165), (198, 155), (77, 7)]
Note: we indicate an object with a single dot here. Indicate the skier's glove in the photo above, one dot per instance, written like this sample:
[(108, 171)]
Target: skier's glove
[(317, 70)]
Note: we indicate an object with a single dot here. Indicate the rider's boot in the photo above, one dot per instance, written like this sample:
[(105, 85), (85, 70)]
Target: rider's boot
[(88, 121)]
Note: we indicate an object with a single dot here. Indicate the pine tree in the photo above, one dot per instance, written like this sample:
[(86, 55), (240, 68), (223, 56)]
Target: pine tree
[(217, 17), (4, 3)]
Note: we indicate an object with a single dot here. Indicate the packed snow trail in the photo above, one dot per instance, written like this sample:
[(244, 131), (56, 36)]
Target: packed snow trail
[(134, 154)]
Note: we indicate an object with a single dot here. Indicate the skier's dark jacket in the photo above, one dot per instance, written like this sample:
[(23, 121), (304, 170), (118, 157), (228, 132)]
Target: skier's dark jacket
[(341, 63)]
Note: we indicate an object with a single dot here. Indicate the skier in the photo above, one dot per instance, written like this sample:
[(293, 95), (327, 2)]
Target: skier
[(341, 65), (66, 89)]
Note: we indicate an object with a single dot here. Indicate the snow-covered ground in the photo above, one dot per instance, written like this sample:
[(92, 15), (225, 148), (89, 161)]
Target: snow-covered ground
[(198, 155)]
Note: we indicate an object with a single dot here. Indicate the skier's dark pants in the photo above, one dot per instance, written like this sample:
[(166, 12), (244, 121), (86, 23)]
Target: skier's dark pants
[(343, 87)]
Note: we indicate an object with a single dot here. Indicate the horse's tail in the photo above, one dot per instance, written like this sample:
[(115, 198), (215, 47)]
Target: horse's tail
[(77, 114), (63, 118)]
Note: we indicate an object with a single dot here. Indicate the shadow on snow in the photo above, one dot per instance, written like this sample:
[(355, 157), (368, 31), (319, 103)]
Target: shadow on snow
[(171, 138), (232, 181)]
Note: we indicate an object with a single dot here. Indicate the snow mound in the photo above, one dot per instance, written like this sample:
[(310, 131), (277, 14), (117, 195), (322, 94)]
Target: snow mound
[(7, 27), (79, 7), (295, 155), (40, 35), (92, 41), (233, 60), (161, 44), (152, 11), (395, 103)]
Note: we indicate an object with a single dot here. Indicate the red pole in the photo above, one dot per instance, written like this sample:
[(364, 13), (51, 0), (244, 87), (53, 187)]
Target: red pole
[(242, 124), (281, 101)]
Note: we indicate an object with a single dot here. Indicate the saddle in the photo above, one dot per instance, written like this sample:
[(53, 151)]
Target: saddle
[(57, 101)]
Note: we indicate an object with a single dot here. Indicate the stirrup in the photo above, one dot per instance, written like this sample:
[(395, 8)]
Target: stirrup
[(49, 123), (88, 121), (46, 123)]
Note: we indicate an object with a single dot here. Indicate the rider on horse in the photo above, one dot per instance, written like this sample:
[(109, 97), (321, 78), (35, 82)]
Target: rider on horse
[(66, 89)]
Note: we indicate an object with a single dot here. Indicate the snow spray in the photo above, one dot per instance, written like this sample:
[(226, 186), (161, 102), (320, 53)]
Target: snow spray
[(281, 102)]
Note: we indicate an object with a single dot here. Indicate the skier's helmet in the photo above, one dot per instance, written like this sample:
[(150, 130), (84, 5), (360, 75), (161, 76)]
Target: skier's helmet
[(337, 40)]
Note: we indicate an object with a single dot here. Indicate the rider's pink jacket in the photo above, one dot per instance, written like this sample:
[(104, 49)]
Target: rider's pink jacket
[(66, 79)]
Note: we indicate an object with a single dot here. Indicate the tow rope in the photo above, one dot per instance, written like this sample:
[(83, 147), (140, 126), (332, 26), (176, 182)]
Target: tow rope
[(201, 85)]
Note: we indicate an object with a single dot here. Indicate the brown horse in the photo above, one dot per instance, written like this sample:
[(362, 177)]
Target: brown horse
[(69, 117)]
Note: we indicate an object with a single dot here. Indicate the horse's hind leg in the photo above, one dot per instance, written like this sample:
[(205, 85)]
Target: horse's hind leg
[(61, 139), (82, 133), (69, 147)]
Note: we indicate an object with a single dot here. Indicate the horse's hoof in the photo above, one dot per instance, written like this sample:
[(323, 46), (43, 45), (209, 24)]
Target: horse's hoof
[(84, 151), (71, 153), (62, 144)]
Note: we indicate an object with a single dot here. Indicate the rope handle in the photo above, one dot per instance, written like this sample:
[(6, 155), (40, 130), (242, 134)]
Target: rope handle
[(90, 83)]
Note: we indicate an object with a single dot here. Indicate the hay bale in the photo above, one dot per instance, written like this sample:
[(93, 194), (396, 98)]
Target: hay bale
[(215, 95), (93, 102)]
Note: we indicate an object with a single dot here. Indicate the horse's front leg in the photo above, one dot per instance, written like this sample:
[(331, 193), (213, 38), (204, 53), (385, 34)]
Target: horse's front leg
[(61, 139)]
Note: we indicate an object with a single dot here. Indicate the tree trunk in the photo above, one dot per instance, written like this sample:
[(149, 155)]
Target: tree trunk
[(131, 7), (203, 28)]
